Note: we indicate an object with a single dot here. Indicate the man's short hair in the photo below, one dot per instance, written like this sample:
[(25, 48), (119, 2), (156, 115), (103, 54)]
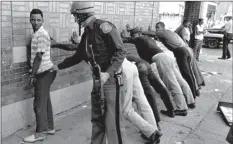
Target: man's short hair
[(36, 11), (185, 21), (161, 24), (135, 30), (200, 19)]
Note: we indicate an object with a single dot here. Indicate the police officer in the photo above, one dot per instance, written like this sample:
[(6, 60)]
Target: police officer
[(102, 41)]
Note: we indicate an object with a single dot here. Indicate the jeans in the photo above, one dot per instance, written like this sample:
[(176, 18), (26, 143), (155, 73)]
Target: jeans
[(42, 102), (148, 79), (133, 90), (173, 80), (110, 125), (226, 40), (197, 48)]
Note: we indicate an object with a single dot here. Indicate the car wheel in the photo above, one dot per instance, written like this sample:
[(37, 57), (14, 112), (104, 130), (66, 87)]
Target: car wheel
[(212, 43)]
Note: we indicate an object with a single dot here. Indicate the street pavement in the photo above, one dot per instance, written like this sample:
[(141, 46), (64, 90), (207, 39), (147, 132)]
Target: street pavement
[(202, 125)]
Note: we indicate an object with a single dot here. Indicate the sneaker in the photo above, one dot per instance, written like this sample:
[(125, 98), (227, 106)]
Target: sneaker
[(168, 113), (192, 106), (50, 132), (181, 112), (33, 138)]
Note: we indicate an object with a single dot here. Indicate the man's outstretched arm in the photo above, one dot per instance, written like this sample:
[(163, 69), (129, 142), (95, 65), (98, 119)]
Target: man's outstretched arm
[(67, 47)]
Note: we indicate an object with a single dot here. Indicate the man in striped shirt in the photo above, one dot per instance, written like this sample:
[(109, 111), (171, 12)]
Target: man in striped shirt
[(41, 78)]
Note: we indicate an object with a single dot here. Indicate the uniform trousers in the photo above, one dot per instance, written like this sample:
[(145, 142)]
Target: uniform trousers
[(110, 125)]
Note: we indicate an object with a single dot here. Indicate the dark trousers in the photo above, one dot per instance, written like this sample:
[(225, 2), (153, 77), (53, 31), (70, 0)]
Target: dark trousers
[(197, 48), (148, 79), (226, 40), (42, 102), (184, 59), (198, 75), (110, 125)]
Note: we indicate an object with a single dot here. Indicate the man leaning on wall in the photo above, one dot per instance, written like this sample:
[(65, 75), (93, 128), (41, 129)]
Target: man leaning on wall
[(41, 78)]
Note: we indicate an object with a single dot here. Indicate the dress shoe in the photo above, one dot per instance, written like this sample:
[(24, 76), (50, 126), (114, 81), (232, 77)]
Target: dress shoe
[(168, 113), (221, 58), (192, 106), (181, 112), (155, 138)]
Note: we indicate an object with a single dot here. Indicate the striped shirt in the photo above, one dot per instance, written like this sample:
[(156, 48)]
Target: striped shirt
[(40, 42)]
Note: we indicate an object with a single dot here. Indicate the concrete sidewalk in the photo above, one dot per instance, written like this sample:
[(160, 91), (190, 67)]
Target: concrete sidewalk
[(203, 125)]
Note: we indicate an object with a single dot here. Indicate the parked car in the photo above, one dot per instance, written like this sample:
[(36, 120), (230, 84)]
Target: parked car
[(213, 38)]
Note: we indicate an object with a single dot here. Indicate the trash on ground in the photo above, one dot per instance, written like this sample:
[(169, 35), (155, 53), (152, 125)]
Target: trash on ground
[(210, 73), (214, 73), (179, 142), (226, 110), (180, 132), (84, 106), (210, 60), (216, 90)]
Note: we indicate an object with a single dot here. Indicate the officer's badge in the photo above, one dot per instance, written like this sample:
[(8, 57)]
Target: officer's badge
[(106, 27)]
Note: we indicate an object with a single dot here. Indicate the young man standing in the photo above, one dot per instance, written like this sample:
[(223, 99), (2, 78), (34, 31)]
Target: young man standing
[(199, 36), (42, 76), (228, 36)]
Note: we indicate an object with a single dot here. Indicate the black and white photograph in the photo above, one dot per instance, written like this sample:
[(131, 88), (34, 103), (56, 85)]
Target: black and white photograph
[(116, 72)]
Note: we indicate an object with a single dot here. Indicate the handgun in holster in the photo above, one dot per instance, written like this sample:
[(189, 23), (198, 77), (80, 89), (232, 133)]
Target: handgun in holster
[(98, 86), (119, 78)]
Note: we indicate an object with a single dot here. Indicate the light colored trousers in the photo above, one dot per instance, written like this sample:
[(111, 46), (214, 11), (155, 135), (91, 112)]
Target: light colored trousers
[(174, 81), (133, 90)]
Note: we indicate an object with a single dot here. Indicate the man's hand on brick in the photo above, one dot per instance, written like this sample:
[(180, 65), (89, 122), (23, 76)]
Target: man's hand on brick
[(32, 81), (75, 38)]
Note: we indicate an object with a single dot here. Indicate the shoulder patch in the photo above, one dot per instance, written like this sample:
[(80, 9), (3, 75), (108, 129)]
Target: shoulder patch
[(106, 27)]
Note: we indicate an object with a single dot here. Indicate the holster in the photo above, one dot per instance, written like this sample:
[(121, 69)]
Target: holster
[(119, 77)]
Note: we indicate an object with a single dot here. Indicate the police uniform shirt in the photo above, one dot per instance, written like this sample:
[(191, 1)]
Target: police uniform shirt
[(107, 46)]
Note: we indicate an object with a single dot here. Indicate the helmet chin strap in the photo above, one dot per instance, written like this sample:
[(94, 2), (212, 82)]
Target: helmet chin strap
[(79, 28), (82, 18)]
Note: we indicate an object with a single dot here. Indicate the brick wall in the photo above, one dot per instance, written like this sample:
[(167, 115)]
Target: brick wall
[(192, 10), (16, 30)]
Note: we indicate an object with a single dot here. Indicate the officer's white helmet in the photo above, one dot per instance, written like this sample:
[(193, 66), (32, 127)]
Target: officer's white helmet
[(81, 7)]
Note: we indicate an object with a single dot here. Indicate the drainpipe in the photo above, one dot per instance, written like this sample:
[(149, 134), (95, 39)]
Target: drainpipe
[(152, 14), (134, 11)]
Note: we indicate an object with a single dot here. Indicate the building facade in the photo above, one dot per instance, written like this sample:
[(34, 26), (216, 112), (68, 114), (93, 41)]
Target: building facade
[(67, 91)]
